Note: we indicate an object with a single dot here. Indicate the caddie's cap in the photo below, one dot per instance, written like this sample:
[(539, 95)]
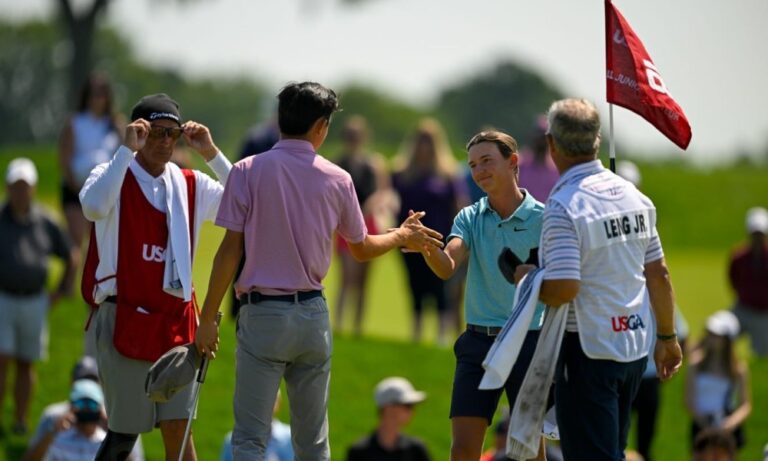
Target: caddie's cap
[(171, 372), (86, 368), (723, 323), (86, 389), (757, 220), (397, 391), (155, 107), (21, 169)]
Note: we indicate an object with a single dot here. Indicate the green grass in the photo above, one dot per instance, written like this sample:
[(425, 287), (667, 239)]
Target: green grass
[(698, 272)]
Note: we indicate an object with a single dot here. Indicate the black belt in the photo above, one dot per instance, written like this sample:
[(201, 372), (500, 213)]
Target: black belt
[(111, 299), (255, 297), (488, 331)]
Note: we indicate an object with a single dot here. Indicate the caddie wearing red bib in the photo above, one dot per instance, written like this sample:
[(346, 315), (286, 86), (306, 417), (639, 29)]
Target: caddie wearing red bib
[(147, 213)]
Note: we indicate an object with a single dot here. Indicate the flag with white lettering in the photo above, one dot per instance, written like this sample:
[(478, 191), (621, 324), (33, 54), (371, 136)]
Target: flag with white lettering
[(634, 83)]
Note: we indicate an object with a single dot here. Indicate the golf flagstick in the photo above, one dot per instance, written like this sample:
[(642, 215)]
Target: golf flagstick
[(196, 395), (611, 145)]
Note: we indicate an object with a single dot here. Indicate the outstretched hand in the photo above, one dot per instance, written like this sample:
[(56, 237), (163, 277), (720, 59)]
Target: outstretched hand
[(418, 237), (198, 137)]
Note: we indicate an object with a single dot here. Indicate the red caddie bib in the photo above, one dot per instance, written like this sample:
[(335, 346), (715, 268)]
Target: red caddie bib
[(149, 321)]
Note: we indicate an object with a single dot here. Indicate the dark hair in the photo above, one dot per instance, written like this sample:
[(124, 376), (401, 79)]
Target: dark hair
[(709, 359), (94, 81), (302, 104), (100, 81), (715, 438), (507, 144)]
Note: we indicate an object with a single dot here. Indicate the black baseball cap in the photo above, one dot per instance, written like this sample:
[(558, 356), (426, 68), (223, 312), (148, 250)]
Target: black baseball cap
[(155, 107)]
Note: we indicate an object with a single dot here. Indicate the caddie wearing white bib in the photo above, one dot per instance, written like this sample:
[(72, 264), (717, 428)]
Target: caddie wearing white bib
[(604, 262)]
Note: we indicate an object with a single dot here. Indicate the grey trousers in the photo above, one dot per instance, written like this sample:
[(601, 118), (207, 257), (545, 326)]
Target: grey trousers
[(278, 340)]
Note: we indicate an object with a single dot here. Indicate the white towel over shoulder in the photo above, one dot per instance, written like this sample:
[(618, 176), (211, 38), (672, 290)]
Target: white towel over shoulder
[(503, 354), (177, 278)]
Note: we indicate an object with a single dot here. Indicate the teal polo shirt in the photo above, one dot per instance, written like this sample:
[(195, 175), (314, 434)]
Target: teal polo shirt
[(488, 296)]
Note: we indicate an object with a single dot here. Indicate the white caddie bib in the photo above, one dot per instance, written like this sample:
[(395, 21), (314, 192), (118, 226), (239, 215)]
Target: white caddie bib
[(615, 224)]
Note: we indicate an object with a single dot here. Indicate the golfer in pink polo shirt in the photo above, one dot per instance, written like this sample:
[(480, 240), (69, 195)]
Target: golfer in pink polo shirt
[(282, 208)]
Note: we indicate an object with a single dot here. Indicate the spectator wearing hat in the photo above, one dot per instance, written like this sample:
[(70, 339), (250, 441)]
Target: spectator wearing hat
[(395, 399), (58, 416), (147, 213), (748, 274), (30, 236), (78, 440), (717, 386)]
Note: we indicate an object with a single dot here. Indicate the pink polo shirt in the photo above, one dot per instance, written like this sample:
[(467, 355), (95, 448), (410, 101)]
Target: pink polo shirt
[(288, 202)]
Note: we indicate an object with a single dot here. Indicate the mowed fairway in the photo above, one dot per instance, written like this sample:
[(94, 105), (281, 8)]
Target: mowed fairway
[(699, 276)]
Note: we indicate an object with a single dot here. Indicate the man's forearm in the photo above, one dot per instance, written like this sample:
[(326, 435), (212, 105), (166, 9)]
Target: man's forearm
[(440, 263), (558, 292), (223, 270), (662, 300), (376, 245), (37, 451)]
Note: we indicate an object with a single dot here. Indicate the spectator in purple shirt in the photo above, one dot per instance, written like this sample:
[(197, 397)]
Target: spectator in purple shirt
[(538, 173), (282, 208), (427, 178)]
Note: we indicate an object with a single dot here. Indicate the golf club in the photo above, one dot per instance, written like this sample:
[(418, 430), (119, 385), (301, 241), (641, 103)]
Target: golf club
[(196, 395)]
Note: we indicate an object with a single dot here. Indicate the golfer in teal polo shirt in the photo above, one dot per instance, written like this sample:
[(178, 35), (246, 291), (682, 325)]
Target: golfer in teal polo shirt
[(509, 217), (485, 234)]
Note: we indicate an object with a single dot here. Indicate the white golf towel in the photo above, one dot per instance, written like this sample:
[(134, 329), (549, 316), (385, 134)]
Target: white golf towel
[(527, 418), (177, 278), (503, 353)]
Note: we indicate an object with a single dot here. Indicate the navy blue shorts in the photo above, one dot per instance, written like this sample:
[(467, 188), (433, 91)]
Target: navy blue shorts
[(470, 350), (594, 400)]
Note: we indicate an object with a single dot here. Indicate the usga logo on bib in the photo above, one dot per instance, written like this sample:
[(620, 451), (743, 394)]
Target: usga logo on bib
[(153, 253), (624, 323)]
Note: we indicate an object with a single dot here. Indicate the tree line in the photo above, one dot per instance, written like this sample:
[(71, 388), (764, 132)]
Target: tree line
[(35, 81)]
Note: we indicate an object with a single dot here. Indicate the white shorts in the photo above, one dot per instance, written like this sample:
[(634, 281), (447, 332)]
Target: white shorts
[(129, 410), (24, 326)]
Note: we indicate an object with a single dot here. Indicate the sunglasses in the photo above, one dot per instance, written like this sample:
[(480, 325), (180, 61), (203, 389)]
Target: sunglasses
[(86, 404), (160, 132)]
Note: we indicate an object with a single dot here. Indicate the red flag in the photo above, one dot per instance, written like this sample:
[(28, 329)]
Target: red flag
[(633, 81)]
